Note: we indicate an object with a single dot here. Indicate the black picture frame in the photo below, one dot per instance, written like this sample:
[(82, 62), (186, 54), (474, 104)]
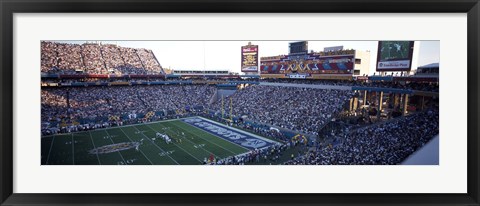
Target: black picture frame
[(9, 7)]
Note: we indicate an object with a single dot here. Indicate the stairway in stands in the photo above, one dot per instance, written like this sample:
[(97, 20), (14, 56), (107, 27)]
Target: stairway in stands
[(143, 101), (141, 61)]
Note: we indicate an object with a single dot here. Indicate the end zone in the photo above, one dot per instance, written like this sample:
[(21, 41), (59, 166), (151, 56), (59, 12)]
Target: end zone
[(239, 137)]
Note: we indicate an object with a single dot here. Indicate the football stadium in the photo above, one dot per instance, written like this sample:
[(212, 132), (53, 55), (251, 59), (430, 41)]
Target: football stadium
[(108, 103)]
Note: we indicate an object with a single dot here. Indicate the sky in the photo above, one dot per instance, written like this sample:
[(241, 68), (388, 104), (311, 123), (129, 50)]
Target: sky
[(226, 55)]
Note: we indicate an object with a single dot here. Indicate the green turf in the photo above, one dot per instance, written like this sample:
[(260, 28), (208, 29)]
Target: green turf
[(188, 149)]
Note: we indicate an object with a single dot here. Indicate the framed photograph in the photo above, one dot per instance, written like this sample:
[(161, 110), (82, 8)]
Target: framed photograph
[(251, 103)]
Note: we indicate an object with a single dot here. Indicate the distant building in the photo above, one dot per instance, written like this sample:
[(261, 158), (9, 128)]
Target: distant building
[(362, 63)]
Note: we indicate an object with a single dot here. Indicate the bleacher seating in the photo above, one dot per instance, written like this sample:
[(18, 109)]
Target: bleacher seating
[(88, 58)]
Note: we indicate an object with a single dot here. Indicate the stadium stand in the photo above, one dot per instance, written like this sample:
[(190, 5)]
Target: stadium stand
[(112, 57), (88, 58), (96, 102), (299, 109), (89, 86), (149, 60), (69, 58), (48, 57), (381, 144), (93, 60)]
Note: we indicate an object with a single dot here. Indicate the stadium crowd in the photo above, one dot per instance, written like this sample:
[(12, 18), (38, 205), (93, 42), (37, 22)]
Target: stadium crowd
[(112, 56), (270, 154), (93, 102), (299, 109), (175, 97), (65, 58), (69, 58), (149, 60), (93, 60), (132, 60), (48, 57), (387, 143)]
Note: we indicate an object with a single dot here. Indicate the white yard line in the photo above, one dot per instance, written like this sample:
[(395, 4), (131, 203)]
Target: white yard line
[(178, 146), (94, 147), (73, 150), (50, 150), (156, 145), (192, 143), (109, 137), (138, 146)]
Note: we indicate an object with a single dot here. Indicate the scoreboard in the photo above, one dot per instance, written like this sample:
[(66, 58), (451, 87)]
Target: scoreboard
[(300, 47), (249, 58), (395, 55)]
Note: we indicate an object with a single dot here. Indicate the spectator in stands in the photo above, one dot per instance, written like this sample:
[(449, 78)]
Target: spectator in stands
[(380, 144), (63, 58), (101, 102), (298, 109)]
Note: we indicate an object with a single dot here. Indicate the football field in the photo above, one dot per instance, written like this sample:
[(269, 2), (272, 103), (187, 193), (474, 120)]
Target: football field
[(193, 140)]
